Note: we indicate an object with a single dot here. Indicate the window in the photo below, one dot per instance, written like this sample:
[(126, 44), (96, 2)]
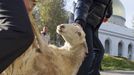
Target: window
[(107, 46), (120, 49), (129, 51)]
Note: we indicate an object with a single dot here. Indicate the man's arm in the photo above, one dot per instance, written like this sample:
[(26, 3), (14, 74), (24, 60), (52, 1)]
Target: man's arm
[(108, 13), (81, 11)]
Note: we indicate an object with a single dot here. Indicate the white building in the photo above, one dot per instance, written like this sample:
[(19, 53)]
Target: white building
[(117, 39)]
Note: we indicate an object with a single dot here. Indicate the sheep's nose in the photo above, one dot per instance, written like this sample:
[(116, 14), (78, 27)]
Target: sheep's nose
[(62, 26)]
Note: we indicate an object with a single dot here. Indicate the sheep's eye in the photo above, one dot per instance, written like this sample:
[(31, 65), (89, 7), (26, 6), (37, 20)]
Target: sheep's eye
[(79, 33), (75, 25)]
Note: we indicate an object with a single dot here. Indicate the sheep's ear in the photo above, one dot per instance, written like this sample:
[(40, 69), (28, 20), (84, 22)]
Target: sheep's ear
[(76, 24)]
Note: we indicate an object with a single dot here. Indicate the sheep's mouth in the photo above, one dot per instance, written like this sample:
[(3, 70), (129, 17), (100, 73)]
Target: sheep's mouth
[(60, 30)]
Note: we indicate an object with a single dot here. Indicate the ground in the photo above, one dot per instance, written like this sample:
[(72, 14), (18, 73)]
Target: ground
[(117, 72)]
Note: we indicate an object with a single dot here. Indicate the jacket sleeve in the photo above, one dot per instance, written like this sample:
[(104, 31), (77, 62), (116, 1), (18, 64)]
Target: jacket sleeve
[(81, 11), (109, 11)]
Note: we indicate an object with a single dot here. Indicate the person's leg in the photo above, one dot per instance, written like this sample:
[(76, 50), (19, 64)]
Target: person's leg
[(85, 68), (99, 51), (15, 31), (92, 62)]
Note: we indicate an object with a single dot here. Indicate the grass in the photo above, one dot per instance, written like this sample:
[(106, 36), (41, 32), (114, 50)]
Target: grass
[(116, 63)]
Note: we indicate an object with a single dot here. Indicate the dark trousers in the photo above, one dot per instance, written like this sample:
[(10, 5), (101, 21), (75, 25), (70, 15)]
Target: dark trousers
[(92, 62), (15, 31)]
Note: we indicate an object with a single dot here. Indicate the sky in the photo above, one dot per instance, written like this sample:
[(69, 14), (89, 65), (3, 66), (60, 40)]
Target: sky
[(128, 5), (129, 9)]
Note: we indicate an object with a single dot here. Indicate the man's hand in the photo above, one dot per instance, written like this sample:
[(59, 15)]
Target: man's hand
[(28, 4), (105, 19)]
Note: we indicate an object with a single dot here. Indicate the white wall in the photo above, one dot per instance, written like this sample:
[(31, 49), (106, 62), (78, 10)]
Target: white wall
[(116, 34)]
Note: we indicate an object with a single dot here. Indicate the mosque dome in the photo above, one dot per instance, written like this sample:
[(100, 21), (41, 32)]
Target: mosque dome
[(118, 16), (118, 8)]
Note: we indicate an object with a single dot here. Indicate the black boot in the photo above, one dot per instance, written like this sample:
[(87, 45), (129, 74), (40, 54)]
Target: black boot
[(85, 68), (97, 62), (91, 64)]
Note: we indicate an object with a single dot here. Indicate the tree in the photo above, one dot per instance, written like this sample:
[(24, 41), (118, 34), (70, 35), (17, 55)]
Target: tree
[(51, 13)]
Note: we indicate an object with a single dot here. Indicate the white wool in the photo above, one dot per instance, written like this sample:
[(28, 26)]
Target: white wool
[(50, 59)]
